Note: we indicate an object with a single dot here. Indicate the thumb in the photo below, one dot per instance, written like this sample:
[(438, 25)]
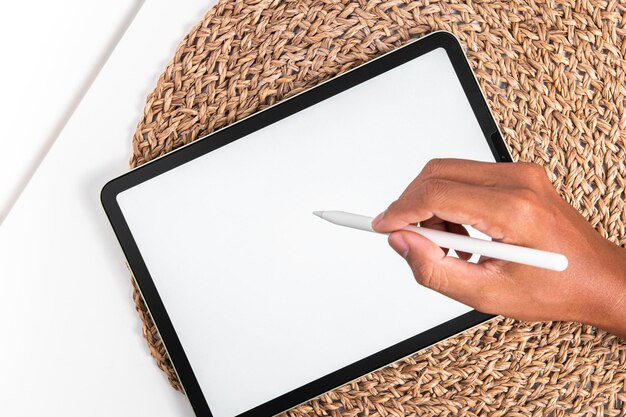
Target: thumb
[(453, 277)]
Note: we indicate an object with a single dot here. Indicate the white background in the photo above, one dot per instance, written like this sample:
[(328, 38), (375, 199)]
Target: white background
[(51, 53), (71, 339)]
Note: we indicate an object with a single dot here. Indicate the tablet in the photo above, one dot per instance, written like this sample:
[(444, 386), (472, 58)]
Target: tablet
[(260, 304)]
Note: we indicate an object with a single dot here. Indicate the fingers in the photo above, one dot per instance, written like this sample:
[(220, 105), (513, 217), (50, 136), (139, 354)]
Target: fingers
[(487, 174), (504, 201), (487, 209), (495, 198), (455, 278)]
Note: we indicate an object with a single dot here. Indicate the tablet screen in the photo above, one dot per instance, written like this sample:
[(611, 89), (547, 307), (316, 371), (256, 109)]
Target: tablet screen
[(266, 297)]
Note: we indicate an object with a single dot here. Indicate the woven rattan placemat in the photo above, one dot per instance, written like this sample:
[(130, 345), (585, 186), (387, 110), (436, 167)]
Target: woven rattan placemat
[(553, 73)]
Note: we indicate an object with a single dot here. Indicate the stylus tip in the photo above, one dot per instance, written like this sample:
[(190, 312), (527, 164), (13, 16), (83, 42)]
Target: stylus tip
[(319, 214)]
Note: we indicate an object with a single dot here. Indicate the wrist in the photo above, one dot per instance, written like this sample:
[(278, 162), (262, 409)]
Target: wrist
[(610, 309)]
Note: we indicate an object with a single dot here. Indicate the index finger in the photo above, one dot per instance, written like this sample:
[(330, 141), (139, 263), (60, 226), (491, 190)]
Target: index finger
[(491, 210), (489, 174)]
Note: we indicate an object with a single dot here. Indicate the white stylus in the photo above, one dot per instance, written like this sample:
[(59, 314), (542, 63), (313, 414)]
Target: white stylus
[(504, 251)]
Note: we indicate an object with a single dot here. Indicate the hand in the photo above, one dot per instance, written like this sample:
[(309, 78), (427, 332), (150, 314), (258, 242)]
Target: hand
[(513, 203)]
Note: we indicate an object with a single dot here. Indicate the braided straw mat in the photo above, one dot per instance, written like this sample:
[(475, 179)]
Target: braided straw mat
[(553, 73)]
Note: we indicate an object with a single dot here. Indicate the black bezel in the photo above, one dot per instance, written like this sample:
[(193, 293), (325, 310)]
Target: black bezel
[(257, 121)]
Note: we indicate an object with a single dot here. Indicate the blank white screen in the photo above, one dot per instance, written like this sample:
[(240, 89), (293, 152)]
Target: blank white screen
[(264, 296)]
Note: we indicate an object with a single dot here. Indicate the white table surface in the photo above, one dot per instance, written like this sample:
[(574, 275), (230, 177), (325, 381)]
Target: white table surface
[(72, 343), (51, 53)]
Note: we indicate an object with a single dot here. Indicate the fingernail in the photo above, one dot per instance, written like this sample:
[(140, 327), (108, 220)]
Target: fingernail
[(377, 218), (399, 245)]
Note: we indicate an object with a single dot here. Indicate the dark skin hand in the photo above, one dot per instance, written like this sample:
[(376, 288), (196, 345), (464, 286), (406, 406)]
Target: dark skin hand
[(513, 203)]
